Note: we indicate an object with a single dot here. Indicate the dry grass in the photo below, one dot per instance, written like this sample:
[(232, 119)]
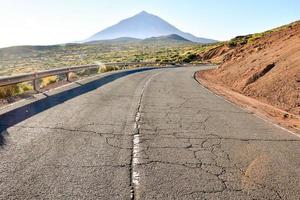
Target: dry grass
[(12, 90), (48, 80), (104, 69), (9, 91)]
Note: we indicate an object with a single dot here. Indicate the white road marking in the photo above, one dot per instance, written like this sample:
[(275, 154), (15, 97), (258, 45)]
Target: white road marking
[(136, 152)]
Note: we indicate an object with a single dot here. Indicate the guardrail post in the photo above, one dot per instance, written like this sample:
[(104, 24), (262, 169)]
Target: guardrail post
[(36, 85), (68, 74)]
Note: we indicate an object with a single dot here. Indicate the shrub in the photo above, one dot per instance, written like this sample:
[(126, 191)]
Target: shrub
[(27, 88), (232, 43), (48, 80), (104, 69), (9, 91), (255, 37), (239, 40), (189, 57), (24, 87)]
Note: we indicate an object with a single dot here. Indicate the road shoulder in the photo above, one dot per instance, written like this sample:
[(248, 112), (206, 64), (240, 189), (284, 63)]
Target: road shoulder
[(265, 111)]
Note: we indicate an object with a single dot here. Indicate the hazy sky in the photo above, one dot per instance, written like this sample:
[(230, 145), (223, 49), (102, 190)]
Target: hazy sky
[(58, 21)]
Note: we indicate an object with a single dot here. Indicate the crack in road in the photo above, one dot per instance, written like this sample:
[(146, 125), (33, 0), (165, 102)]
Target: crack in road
[(175, 150), (208, 154), (176, 134), (103, 134), (87, 166), (222, 168)]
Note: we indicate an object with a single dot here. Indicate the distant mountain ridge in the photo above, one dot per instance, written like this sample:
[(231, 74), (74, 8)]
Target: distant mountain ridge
[(141, 26), (174, 38)]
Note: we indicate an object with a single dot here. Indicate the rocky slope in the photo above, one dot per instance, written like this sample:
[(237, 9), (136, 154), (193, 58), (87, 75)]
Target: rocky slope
[(264, 66)]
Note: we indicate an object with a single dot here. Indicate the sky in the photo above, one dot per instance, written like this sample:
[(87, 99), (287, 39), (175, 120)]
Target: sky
[(45, 22)]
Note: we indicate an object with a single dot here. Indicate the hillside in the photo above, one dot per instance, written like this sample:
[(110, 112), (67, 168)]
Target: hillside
[(173, 38), (144, 25), (116, 41), (264, 66), (166, 39), (22, 59)]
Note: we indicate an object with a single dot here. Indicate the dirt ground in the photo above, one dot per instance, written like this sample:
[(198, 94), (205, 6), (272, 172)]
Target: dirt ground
[(264, 110), (263, 74), (267, 69)]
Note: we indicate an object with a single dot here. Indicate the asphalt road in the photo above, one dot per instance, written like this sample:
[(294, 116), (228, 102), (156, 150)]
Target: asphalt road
[(153, 134)]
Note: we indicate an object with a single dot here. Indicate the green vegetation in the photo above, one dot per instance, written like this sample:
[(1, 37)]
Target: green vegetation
[(189, 57), (48, 80), (24, 87), (247, 39), (8, 91), (239, 40), (24, 59), (12, 90)]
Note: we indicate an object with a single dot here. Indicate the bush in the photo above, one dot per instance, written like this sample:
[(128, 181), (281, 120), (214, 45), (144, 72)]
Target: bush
[(27, 88), (24, 87), (104, 69), (189, 57), (239, 40), (48, 80), (232, 43), (256, 36), (9, 91)]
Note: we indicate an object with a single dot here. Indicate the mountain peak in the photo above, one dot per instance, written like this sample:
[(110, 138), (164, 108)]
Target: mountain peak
[(143, 13), (143, 25)]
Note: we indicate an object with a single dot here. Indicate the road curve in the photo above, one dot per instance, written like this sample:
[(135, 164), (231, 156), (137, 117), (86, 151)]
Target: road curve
[(153, 134)]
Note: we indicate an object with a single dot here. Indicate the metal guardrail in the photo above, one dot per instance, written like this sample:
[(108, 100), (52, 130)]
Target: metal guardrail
[(35, 76)]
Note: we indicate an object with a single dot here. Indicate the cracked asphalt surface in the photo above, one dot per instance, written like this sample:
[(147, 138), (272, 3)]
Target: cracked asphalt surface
[(150, 135)]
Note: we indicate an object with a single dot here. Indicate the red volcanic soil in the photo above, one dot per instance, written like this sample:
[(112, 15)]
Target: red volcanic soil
[(266, 69)]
